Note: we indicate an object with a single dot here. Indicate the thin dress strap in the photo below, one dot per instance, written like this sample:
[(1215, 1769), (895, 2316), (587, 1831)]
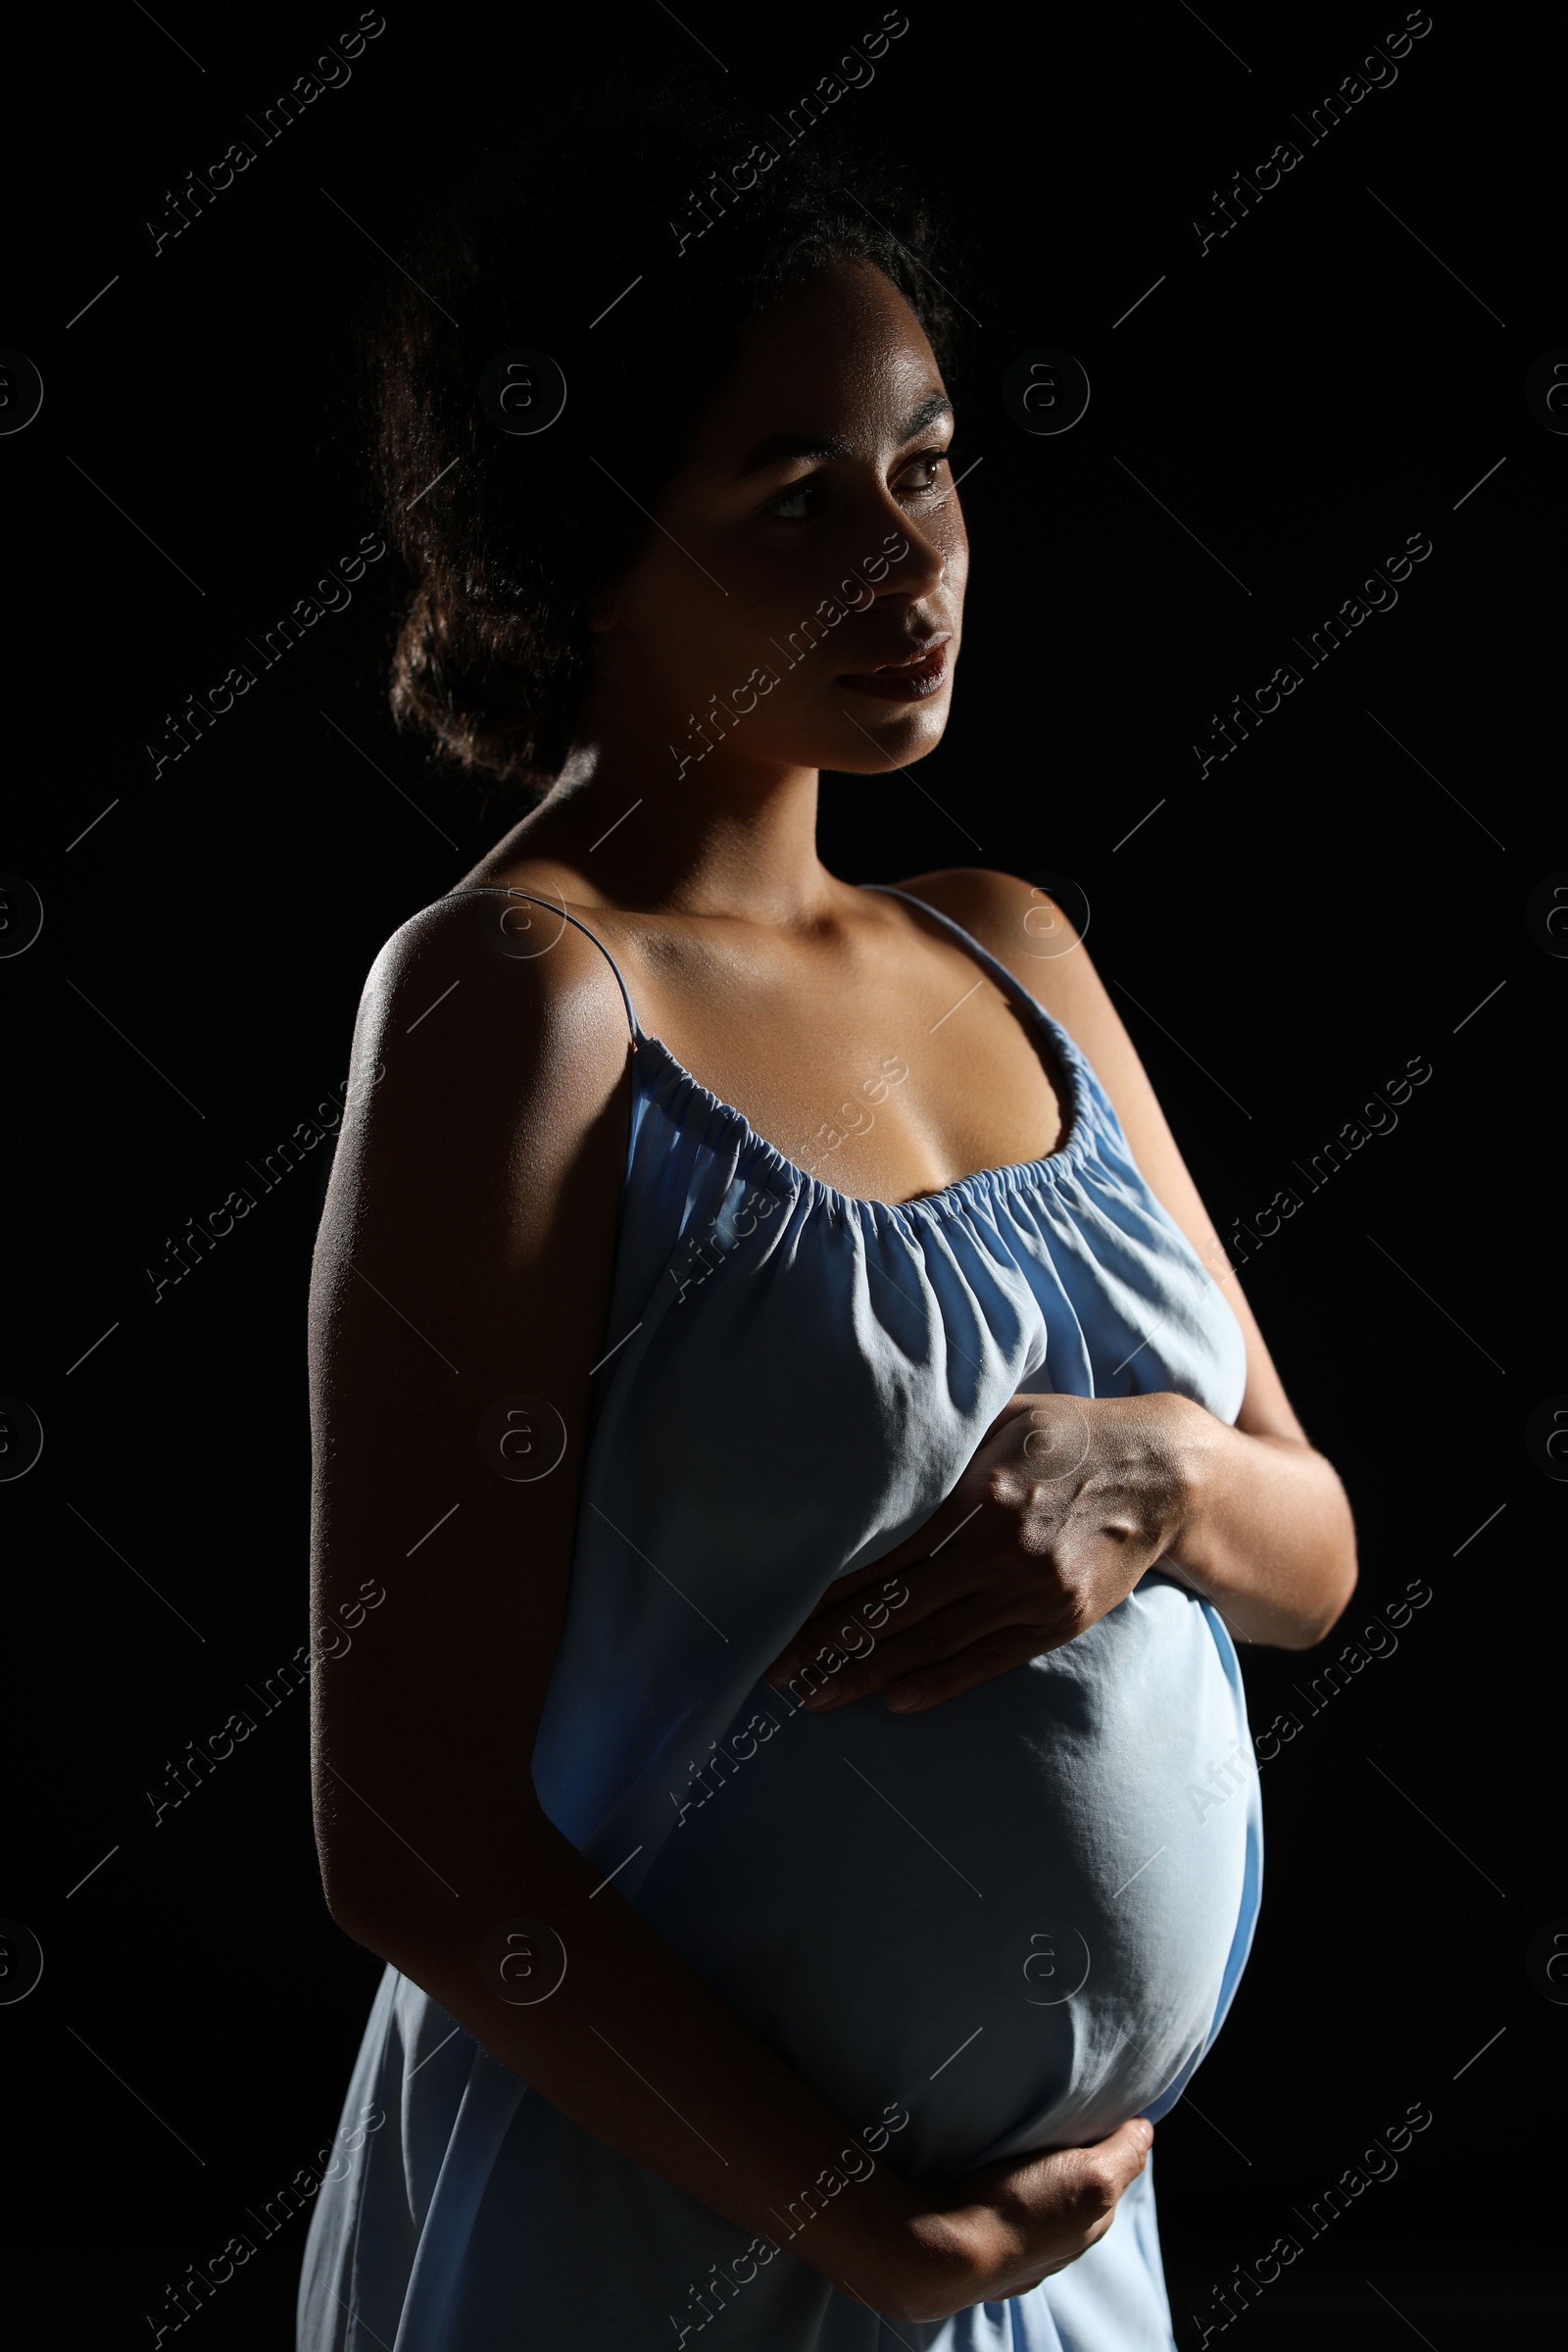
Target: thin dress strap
[(1008, 982), (1072, 1081), (506, 890)]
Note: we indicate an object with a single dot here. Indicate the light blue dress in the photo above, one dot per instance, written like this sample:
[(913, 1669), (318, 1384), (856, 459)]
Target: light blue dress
[(1004, 1925)]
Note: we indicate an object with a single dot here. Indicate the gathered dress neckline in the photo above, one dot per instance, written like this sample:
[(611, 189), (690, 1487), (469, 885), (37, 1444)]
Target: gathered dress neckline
[(1074, 1099)]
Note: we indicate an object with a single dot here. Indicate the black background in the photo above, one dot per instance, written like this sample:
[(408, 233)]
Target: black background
[(1278, 416)]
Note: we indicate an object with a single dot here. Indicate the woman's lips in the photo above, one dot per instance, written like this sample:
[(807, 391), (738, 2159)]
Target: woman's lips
[(910, 680)]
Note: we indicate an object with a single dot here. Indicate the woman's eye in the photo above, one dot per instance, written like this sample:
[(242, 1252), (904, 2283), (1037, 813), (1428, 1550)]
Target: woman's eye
[(801, 499), (931, 463), (805, 495)]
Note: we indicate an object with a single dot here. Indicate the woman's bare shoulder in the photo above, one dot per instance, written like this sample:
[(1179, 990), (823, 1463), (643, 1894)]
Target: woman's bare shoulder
[(481, 1154), (485, 990), (1022, 924), (487, 1102)]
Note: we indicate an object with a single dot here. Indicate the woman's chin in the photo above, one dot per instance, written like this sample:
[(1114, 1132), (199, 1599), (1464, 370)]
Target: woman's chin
[(883, 735)]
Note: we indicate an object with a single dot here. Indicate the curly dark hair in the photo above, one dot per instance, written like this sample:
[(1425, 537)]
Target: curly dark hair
[(509, 537)]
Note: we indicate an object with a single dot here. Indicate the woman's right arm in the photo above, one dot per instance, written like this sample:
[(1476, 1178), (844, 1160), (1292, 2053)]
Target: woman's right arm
[(464, 1258)]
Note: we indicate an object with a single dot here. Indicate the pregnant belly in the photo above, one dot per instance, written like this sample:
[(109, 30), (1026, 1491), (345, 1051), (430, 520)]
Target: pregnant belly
[(1011, 1916)]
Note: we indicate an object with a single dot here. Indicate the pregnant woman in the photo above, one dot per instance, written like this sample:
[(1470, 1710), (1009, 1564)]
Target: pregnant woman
[(769, 1351)]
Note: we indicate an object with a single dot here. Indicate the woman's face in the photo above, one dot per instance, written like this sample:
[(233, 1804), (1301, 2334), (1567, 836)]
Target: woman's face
[(811, 534)]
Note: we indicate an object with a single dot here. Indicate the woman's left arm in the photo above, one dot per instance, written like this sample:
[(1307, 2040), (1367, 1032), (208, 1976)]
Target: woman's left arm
[(1251, 1516), (1267, 1532)]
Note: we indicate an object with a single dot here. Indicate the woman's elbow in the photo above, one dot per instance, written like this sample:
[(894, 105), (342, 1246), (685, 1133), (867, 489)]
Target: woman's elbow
[(351, 1907), (1336, 1591), (358, 1898)]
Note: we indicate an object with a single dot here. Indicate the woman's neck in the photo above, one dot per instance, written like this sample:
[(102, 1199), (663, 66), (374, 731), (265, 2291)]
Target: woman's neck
[(721, 839)]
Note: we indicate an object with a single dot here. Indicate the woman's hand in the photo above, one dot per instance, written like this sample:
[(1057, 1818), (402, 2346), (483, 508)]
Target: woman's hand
[(1068, 1501), (999, 2231)]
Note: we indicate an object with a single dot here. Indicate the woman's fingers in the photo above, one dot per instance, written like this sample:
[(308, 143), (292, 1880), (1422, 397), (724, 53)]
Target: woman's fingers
[(856, 1607), (1113, 2164), (944, 1525), (1089, 2182), (942, 1617), (1055, 2206), (993, 1541), (924, 1543), (998, 1652), (956, 1628), (875, 1624), (1097, 2178), (853, 1617)]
